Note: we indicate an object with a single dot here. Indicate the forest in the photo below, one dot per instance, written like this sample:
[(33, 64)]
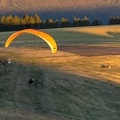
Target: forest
[(10, 23)]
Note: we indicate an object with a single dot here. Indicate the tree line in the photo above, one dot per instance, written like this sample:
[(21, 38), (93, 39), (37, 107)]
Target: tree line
[(9, 23)]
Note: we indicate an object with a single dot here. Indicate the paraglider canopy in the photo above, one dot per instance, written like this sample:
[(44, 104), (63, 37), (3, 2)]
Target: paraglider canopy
[(46, 37)]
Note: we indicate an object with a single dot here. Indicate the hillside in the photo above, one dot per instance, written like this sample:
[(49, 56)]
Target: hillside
[(102, 9), (58, 93), (69, 85)]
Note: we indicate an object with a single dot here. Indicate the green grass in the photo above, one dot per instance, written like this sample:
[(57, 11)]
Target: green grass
[(63, 37)]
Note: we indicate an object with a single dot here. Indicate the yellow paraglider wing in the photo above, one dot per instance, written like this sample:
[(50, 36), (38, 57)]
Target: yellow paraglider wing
[(46, 37)]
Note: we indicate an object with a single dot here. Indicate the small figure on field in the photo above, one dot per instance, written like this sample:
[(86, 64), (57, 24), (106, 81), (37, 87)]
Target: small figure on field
[(8, 64), (105, 66), (31, 80)]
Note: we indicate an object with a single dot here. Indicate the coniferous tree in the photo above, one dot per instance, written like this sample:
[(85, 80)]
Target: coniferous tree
[(22, 23), (31, 22), (38, 21), (56, 23), (85, 21), (3, 23), (114, 20), (96, 22), (3, 20), (16, 20), (50, 23), (65, 22), (76, 22), (44, 24), (9, 20), (26, 18)]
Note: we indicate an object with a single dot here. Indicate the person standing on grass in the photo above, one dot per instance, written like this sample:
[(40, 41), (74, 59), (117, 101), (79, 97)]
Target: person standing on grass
[(8, 64), (31, 80)]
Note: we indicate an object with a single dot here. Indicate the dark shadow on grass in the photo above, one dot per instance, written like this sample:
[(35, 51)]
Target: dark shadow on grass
[(58, 93)]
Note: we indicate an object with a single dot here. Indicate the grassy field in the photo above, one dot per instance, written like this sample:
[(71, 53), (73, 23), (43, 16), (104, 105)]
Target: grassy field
[(69, 85)]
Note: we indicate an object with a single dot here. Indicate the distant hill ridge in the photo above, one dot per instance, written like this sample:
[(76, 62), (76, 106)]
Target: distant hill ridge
[(101, 9)]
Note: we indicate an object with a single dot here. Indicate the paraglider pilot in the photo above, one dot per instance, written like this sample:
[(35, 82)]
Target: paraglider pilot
[(31, 80)]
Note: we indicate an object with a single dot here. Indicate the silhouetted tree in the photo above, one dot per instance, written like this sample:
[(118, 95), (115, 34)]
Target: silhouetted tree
[(114, 20), (85, 21), (50, 23), (96, 22), (56, 23), (44, 24), (3, 23), (76, 22), (65, 22)]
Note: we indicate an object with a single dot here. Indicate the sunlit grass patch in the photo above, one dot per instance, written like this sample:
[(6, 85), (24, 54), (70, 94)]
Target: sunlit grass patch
[(100, 31)]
